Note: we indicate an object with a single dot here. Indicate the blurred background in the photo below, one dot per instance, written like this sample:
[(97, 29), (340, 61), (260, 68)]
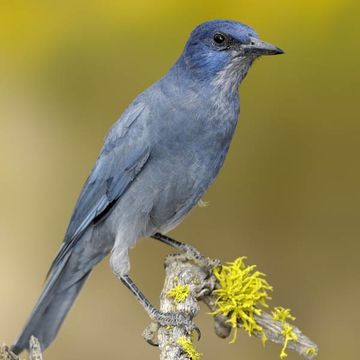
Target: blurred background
[(288, 196)]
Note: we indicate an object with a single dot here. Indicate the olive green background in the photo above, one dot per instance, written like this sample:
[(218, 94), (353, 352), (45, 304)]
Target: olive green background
[(288, 196)]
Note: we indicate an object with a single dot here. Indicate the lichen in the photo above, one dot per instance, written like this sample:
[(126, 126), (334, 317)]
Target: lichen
[(281, 314), (310, 351), (289, 335), (189, 348), (179, 292), (241, 294)]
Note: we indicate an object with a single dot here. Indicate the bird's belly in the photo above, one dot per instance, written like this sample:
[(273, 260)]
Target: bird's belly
[(183, 184), (182, 165)]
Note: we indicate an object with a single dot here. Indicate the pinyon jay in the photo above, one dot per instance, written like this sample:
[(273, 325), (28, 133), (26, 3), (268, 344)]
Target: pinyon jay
[(156, 163)]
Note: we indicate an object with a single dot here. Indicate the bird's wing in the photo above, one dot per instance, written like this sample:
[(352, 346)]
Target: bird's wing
[(122, 158)]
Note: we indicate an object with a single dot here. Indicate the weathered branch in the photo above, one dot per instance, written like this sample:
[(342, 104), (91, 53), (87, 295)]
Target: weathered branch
[(198, 279)]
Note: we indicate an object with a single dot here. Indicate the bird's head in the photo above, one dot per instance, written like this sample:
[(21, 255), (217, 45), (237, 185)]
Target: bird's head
[(223, 50)]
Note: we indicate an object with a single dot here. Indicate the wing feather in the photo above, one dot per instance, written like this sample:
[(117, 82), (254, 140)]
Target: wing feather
[(122, 158)]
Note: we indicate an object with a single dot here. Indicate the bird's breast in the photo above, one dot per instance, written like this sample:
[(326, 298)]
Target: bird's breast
[(190, 149)]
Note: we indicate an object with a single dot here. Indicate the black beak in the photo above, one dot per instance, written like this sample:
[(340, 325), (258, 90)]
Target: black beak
[(257, 47)]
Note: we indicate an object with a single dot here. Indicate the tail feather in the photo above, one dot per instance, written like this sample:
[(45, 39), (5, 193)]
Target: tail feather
[(51, 308)]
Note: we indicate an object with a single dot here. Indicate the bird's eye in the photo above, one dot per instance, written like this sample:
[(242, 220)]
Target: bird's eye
[(219, 38)]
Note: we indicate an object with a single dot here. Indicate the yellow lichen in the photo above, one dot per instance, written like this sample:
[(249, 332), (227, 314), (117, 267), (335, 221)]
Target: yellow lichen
[(282, 314), (310, 351), (189, 348), (242, 290), (179, 292), (289, 335)]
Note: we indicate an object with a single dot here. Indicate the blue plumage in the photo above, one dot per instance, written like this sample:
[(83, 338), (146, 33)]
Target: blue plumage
[(156, 163)]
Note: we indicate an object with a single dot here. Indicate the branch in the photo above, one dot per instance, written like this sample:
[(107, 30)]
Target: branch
[(34, 352), (194, 281)]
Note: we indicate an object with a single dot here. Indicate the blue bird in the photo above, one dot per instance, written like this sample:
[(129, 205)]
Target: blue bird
[(156, 163)]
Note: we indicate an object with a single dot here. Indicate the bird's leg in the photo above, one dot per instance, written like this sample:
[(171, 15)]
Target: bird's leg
[(162, 318), (186, 248), (190, 251)]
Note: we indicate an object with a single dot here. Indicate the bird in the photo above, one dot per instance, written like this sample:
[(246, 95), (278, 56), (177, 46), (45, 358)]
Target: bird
[(157, 161)]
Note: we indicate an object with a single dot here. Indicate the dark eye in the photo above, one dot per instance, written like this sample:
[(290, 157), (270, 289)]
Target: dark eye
[(219, 38)]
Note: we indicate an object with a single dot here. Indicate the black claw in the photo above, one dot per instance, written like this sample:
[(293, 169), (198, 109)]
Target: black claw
[(152, 343), (197, 330)]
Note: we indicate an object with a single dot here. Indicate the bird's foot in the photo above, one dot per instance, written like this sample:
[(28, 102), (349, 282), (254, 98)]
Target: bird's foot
[(174, 319), (191, 253)]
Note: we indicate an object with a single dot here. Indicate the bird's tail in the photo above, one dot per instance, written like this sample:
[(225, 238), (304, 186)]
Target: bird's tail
[(53, 305)]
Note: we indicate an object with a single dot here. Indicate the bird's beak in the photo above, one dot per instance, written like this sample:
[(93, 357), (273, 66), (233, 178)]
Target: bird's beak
[(257, 47)]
